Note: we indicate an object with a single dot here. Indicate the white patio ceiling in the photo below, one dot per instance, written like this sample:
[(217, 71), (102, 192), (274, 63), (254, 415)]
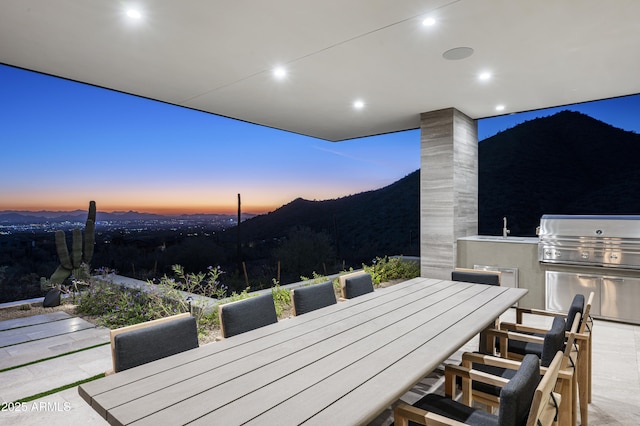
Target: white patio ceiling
[(218, 56)]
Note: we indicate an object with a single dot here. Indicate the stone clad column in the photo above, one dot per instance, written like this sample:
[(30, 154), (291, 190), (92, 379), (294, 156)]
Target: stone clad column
[(448, 188)]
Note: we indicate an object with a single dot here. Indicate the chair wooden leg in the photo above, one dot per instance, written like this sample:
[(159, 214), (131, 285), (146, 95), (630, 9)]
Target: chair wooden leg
[(567, 387), (564, 388), (487, 345), (590, 363), (583, 382), (574, 398)]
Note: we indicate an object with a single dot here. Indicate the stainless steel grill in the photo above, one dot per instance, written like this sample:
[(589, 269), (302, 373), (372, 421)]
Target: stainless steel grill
[(607, 241)]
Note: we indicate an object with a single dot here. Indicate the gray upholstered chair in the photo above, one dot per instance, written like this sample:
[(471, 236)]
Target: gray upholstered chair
[(525, 399), (552, 343), (476, 276), (149, 341), (247, 314), (519, 347), (577, 309), (312, 297), (355, 284)]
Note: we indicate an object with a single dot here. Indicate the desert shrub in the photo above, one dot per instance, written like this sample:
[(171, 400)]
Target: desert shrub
[(386, 269), (116, 306), (119, 306), (281, 297)]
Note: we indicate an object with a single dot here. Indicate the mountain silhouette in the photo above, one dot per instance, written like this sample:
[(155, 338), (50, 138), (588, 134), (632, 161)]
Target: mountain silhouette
[(361, 226), (566, 163)]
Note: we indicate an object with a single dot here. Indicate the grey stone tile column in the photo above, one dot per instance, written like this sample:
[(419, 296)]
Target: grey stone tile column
[(448, 188)]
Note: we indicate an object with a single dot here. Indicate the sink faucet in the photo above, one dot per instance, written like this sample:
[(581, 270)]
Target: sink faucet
[(505, 231)]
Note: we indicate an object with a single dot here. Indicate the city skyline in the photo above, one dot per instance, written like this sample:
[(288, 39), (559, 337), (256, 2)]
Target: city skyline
[(66, 143)]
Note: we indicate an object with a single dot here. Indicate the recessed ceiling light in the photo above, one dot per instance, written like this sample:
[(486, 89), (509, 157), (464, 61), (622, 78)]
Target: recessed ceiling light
[(427, 22), (484, 76), (500, 108), (134, 14), (458, 53), (279, 73), (359, 104)]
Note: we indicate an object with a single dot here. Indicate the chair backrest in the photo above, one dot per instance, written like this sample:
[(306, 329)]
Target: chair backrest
[(544, 409), (356, 284), (247, 314), (577, 307), (145, 342), (476, 276), (315, 296), (586, 313), (516, 397), (554, 341), (570, 339)]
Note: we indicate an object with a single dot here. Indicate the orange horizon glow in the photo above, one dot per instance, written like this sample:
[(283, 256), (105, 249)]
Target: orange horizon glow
[(161, 210)]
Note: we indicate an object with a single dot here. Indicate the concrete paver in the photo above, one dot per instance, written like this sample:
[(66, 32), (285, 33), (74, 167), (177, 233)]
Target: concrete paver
[(24, 334), (15, 355), (33, 320), (43, 376)]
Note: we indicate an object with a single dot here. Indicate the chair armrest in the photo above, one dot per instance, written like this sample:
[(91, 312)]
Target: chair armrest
[(494, 361), (403, 413), (509, 326), (531, 311), (514, 335), (582, 336), (468, 376), (565, 374)]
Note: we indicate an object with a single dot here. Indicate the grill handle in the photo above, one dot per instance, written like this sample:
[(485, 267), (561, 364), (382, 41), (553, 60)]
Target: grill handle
[(587, 277)]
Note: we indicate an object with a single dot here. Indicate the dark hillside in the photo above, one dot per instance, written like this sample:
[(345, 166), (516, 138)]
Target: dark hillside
[(567, 163), (361, 226)]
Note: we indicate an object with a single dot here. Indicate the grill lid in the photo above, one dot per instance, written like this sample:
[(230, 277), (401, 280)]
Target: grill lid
[(620, 226), (608, 241)]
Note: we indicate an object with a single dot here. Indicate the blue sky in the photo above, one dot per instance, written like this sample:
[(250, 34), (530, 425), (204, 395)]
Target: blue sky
[(65, 143), (622, 112)]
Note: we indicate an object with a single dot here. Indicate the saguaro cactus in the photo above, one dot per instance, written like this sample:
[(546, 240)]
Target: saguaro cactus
[(81, 249)]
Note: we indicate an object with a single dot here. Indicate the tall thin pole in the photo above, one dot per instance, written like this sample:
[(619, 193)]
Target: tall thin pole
[(239, 252)]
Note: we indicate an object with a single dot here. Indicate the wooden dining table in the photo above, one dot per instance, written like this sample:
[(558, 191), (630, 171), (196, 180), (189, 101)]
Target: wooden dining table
[(340, 365)]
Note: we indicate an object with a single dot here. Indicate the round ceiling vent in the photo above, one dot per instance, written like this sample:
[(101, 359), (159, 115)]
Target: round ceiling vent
[(458, 53)]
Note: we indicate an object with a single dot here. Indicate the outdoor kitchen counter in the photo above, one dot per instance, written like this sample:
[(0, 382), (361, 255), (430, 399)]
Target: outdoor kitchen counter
[(521, 254), (511, 253)]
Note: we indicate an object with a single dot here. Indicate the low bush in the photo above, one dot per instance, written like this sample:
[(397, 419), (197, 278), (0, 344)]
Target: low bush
[(281, 298), (386, 269)]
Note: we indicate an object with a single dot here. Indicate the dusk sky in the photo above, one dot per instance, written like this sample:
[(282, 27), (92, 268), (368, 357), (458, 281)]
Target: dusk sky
[(65, 143)]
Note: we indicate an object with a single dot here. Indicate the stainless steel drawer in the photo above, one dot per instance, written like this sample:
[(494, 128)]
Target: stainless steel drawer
[(620, 297), (561, 287)]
